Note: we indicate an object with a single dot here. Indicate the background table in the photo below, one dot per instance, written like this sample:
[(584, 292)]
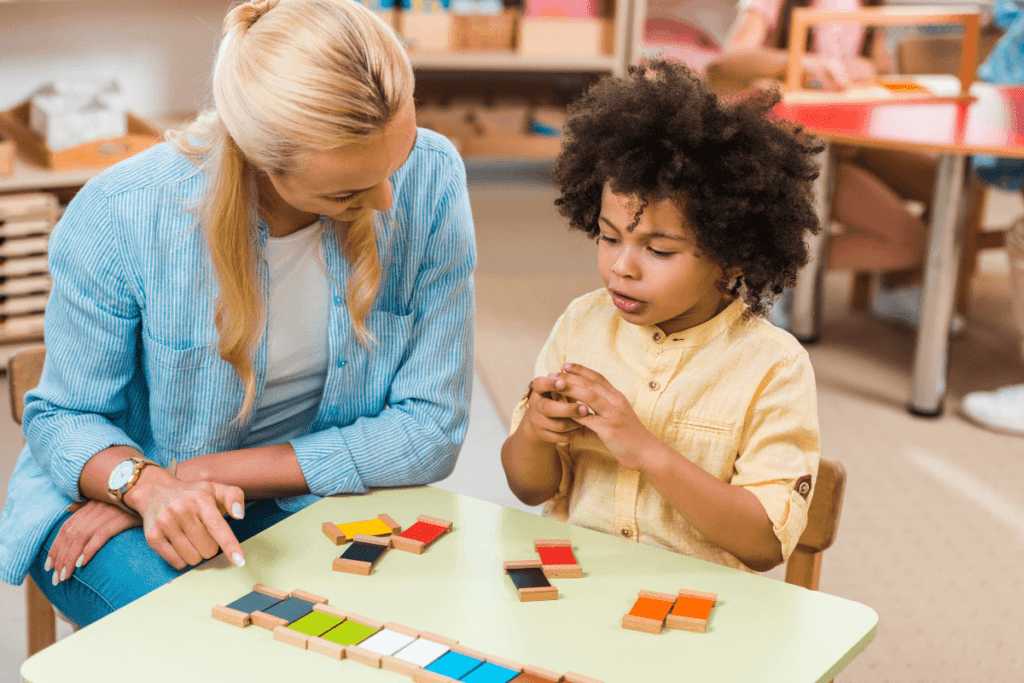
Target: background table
[(955, 131), (762, 630)]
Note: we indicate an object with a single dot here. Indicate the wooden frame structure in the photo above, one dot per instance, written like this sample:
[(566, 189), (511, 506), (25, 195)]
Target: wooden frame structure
[(805, 17)]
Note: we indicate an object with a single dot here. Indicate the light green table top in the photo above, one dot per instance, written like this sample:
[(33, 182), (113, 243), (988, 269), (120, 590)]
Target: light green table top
[(761, 631)]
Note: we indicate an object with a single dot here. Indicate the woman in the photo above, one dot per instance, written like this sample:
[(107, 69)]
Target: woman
[(880, 234), (279, 302)]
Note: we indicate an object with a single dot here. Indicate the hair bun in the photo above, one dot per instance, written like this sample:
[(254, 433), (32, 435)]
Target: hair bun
[(245, 15)]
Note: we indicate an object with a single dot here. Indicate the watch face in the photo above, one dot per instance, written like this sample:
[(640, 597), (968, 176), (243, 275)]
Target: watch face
[(121, 474)]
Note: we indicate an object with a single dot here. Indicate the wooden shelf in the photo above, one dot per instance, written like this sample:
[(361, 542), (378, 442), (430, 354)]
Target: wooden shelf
[(29, 176), (509, 61)]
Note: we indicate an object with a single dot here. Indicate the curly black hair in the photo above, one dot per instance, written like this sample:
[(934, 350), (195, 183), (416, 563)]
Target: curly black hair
[(744, 177)]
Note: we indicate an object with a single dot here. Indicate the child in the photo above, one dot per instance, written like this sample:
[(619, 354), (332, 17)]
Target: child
[(666, 409)]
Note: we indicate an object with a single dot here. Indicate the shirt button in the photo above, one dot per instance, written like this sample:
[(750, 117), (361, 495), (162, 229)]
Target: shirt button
[(625, 532), (339, 300), (657, 336), (654, 386), (342, 362)]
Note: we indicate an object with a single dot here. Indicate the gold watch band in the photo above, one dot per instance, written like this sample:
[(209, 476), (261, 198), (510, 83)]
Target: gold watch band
[(117, 495)]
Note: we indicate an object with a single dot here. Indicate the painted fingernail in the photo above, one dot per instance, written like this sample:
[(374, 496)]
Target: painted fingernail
[(55, 577), (238, 559), (80, 560), (567, 367), (560, 384), (63, 573), (237, 511), (583, 409), (48, 565)]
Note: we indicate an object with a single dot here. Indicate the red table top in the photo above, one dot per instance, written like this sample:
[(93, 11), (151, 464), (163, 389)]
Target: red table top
[(991, 124)]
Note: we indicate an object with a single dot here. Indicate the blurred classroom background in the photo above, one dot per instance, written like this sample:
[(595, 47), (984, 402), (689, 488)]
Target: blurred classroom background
[(932, 532)]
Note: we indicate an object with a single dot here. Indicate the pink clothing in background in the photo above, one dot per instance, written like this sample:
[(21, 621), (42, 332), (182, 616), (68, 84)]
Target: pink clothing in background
[(832, 41)]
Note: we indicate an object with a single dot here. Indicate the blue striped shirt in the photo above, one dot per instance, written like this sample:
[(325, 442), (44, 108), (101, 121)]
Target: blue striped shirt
[(132, 357)]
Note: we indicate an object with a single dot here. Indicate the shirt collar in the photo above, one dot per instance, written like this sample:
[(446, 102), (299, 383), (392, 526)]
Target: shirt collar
[(695, 336)]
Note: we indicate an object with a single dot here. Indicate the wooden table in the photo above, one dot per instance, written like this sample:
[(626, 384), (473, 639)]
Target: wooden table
[(988, 124), (761, 631)]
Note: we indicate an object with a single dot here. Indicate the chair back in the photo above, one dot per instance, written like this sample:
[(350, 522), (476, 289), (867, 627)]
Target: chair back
[(24, 368), (938, 54), (804, 566)]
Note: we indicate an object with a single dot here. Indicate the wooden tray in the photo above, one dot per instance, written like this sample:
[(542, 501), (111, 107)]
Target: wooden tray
[(484, 31), (141, 136)]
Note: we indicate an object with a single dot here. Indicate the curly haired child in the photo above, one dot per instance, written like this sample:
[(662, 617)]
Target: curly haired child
[(666, 409)]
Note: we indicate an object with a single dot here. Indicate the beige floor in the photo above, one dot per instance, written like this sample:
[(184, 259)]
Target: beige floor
[(932, 535)]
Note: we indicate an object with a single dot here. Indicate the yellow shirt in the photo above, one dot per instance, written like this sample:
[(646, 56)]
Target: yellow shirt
[(734, 395)]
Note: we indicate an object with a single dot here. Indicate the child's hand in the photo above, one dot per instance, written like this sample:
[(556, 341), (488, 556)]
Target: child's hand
[(549, 419), (602, 408), (825, 74), (860, 70)]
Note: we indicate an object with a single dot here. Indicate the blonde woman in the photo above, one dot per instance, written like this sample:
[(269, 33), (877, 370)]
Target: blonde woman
[(279, 302)]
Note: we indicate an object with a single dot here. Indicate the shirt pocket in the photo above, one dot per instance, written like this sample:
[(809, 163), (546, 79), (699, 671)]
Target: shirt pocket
[(710, 444), (183, 384)]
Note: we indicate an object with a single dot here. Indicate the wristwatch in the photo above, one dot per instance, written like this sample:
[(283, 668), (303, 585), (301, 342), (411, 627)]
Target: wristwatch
[(123, 477)]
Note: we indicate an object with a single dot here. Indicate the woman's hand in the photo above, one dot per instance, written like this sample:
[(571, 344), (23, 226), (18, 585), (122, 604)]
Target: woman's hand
[(90, 526), (605, 410), (549, 418), (825, 74), (184, 522)]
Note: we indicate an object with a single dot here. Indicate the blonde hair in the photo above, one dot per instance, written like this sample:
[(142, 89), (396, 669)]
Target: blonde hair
[(292, 77)]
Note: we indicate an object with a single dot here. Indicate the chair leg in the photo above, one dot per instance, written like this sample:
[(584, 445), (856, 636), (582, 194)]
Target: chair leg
[(972, 245), (39, 617), (804, 568), (860, 296)]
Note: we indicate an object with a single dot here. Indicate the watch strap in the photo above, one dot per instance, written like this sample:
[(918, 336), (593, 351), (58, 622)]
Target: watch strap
[(117, 495)]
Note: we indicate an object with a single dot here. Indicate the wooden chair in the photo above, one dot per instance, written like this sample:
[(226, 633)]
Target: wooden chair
[(804, 566), (24, 369)]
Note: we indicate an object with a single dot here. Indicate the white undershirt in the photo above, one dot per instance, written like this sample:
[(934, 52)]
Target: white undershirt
[(296, 337)]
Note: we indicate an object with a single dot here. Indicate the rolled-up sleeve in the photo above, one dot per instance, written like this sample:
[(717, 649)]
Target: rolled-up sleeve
[(417, 437), (90, 330), (779, 451)]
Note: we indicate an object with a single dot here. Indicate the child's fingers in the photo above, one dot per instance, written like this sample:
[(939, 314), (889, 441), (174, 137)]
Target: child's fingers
[(584, 372), (553, 430), (586, 393), (547, 385), (551, 408)]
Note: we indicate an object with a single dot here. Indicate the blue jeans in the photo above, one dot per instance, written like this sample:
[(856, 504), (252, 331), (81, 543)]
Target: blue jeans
[(126, 568)]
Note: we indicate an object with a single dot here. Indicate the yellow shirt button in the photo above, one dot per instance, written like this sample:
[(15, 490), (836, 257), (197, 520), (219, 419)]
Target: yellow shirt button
[(625, 532), (657, 336), (654, 386)]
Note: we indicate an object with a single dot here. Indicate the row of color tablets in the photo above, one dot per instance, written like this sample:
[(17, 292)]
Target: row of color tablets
[(306, 621), (687, 611)]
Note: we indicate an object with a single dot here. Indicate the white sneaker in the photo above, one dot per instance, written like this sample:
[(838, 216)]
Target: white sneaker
[(1001, 410), (902, 305)]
